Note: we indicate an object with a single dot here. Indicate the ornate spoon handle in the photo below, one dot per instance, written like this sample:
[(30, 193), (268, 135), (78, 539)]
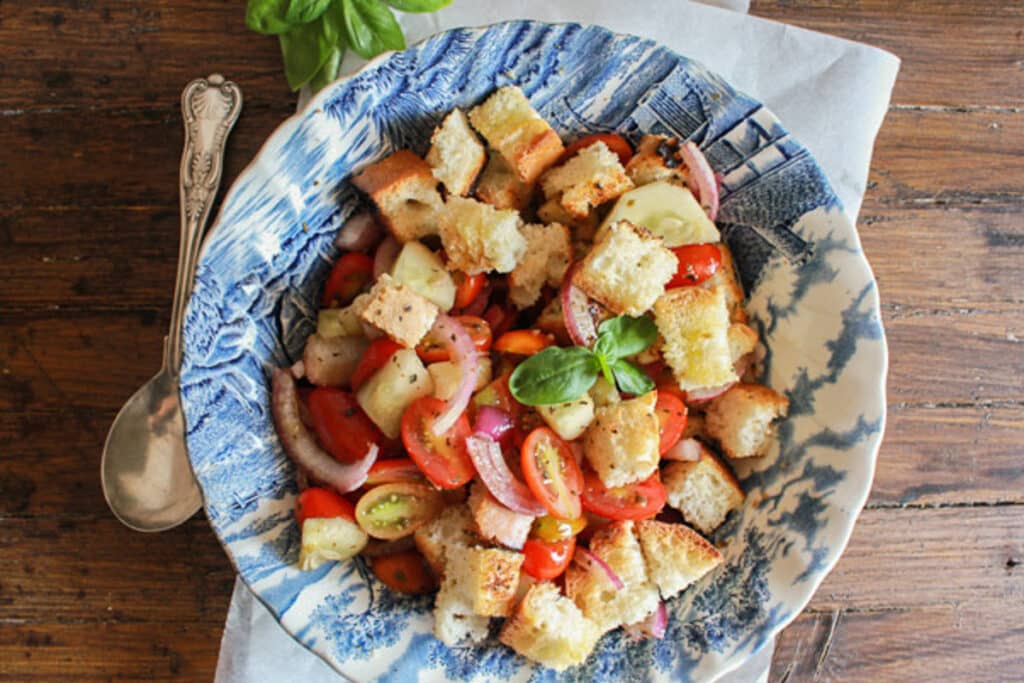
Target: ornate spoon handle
[(209, 108)]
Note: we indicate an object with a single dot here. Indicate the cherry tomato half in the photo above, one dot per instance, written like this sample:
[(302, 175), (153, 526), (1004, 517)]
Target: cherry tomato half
[(546, 560), (431, 350), (523, 342), (641, 500), (671, 412), (392, 470), (350, 274), (616, 143), (444, 459), (404, 572), (341, 426), (376, 355), (551, 472), (391, 511), (697, 262), (551, 529), (467, 287), (321, 502)]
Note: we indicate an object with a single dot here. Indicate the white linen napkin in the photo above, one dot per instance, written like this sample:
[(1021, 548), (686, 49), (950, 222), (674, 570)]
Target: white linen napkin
[(831, 94)]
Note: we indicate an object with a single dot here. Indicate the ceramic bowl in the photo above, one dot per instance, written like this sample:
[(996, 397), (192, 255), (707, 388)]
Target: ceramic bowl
[(810, 293)]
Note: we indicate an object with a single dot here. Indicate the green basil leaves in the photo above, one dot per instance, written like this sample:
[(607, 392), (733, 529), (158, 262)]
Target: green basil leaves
[(558, 375)]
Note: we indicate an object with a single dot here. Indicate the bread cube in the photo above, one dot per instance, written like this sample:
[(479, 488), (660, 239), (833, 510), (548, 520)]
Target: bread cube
[(604, 393), (547, 256), (403, 188), (742, 340), (627, 269), (455, 624), (496, 522), (479, 238), (511, 126), (740, 420), (590, 178), (676, 555), (452, 529), (582, 229), (456, 154), (621, 443), (399, 312), (569, 420), (694, 323), (492, 576), (549, 629), (390, 390), (705, 491), (657, 158), (500, 187), (592, 590)]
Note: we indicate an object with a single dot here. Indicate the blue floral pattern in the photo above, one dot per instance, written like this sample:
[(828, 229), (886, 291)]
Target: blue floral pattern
[(810, 292)]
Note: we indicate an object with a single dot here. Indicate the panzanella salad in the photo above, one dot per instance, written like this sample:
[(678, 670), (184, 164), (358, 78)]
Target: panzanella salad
[(530, 369)]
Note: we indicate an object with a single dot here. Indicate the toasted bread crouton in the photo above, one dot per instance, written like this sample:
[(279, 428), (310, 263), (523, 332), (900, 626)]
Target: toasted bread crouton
[(592, 590), (621, 444), (404, 191), (742, 340), (726, 279), (656, 159), (676, 555), (456, 154), (590, 178), (511, 125), (740, 420), (496, 522), (694, 425), (582, 229), (548, 628), (399, 312), (479, 238), (453, 528), (545, 261), (704, 491), (500, 187), (627, 269), (491, 578), (455, 620), (695, 325)]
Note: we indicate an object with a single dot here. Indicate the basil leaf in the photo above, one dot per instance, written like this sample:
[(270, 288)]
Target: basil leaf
[(631, 379), (555, 375), (268, 16), (305, 11), (418, 5), (329, 71), (626, 336), (371, 28), (305, 49)]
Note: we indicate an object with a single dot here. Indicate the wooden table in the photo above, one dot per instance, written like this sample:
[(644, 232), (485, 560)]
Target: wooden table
[(931, 586)]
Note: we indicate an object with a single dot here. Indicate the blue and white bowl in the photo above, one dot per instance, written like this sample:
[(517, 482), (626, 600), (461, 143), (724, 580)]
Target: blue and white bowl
[(811, 294)]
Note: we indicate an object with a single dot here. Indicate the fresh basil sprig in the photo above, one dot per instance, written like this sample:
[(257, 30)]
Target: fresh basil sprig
[(315, 33), (558, 375)]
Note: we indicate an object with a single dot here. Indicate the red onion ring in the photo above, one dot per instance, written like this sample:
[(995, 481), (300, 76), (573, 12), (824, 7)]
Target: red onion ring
[(654, 626), (462, 352), (705, 395), (704, 177), (575, 310), (493, 422), (302, 448), (498, 478), (385, 256), (359, 233), (586, 559), (685, 450)]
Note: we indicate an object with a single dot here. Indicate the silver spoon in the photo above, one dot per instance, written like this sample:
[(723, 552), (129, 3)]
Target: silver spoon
[(146, 476)]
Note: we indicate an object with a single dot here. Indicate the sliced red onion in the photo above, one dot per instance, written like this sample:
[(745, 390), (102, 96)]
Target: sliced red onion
[(587, 560), (361, 232), (385, 256), (302, 448), (703, 176), (498, 478), (654, 626), (576, 310), (494, 422), (704, 395), (462, 352), (685, 450)]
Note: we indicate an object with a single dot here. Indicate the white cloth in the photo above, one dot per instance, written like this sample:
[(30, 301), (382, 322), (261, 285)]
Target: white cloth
[(831, 94)]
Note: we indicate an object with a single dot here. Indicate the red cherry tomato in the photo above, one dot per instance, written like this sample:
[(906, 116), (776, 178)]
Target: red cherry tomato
[(467, 287), (341, 426), (444, 459), (393, 470), (641, 500), (551, 472), (431, 350), (697, 262), (547, 560), (523, 342), (671, 412), (374, 357), (501, 319), (320, 502), (404, 572), (616, 143), (350, 274)]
